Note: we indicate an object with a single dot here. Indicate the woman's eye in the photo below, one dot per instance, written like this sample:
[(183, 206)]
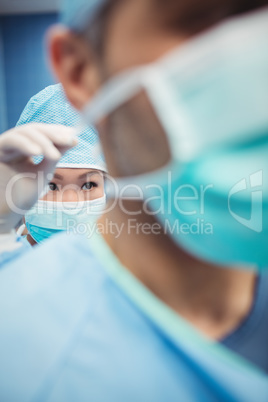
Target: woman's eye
[(89, 185), (52, 186)]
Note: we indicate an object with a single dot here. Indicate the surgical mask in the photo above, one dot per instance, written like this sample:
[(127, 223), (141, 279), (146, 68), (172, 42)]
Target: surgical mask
[(211, 98), (47, 218)]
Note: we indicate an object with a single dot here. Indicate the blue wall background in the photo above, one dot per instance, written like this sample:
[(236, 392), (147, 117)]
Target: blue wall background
[(25, 70), (3, 111)]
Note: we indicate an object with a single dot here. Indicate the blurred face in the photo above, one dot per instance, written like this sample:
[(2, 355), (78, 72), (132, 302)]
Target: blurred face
[(133, 34), (132, 139), (75, 185), (134, 37)]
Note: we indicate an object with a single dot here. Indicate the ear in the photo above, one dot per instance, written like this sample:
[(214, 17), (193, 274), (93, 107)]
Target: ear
[(73, 64)]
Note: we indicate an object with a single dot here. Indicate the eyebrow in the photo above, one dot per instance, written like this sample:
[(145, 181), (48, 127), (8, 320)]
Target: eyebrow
[(90, 172), (57, 176)]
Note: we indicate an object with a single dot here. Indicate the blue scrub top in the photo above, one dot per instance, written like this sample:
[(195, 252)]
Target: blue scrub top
[(250, 339), (77, 326), (9, 256)]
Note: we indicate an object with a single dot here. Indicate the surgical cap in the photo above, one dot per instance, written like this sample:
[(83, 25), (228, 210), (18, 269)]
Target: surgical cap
[(50, 106), (77, 13)]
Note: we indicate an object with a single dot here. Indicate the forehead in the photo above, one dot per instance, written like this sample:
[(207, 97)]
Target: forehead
[(72, 175), (128, 34)]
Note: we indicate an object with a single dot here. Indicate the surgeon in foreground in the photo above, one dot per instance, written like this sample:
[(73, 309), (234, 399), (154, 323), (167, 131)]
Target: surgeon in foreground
[(179, 94)]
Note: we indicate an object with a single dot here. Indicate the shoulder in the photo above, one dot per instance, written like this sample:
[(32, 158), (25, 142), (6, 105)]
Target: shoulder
[(58, 261), (20, 247), (45, 296)]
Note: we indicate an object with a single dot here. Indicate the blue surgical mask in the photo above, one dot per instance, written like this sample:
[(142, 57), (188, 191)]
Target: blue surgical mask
[(47, 218), (211, 98)]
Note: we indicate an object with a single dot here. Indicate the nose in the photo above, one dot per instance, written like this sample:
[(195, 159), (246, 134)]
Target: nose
[(70, 195)]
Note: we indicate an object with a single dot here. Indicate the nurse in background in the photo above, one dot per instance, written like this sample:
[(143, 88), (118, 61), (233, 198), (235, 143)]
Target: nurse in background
[(74, 194)]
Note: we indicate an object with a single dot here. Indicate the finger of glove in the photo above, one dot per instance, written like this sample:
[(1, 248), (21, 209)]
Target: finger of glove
[(48, 148), (59, 135), (17, 145)]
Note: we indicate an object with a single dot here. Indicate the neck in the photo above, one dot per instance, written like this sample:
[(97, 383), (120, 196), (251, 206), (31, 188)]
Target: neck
[(214, 299), (30, 240)]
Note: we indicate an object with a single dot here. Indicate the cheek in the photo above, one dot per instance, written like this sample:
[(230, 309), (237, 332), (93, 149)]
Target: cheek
[(52, 196)]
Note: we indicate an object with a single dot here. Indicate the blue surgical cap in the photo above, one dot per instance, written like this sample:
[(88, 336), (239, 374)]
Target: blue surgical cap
[(77, 13), (50, 106)]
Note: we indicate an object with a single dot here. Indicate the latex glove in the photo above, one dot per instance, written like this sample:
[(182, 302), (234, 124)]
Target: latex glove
[(21, 181)]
